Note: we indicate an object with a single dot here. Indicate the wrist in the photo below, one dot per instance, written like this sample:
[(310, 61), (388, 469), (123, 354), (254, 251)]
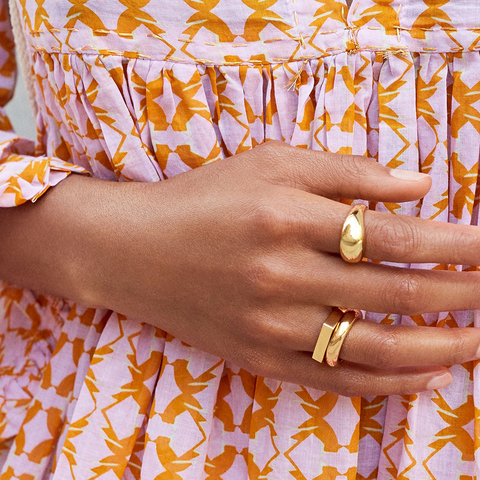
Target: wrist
[(47, 246), (111, 234)]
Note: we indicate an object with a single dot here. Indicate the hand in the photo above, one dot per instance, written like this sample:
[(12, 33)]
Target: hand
[(240, 259)]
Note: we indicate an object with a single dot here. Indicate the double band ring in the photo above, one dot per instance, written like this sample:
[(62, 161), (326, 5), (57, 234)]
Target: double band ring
[(326, 334), (333, 333), (352, 239), (339, 334)]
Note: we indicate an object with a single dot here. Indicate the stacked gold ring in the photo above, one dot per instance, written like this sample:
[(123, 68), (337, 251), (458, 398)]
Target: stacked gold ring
[(333, 333), (326, 334), (339, 334)]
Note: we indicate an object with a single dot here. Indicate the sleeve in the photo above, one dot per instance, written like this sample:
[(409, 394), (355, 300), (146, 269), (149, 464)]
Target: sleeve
[(23, 175)]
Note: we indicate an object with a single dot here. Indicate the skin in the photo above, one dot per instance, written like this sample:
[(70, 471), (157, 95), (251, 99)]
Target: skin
[(247, 248)]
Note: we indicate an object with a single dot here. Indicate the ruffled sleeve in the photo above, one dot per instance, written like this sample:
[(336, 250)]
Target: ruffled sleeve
[(23, 175)]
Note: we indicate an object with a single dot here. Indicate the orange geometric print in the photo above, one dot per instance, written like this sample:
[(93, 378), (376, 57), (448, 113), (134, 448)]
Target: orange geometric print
[(145, 90)]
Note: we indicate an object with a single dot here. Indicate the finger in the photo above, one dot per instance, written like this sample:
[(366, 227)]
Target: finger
[(354, 380), (380, 346), (321, 279), (318, 222), (340, 176), (386, 289), (392, 346)]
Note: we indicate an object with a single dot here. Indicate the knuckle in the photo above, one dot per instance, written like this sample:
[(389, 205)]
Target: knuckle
[(348, 391), (406, 295), (262, 329), (350, 386), (457, 346), (273, 145), (397, 238), (272, 152), (271, 220), (386, 346), (279, 333), (332, 164), (465, 240), (253, 331), (353, 169), (353, 165), (265, 279)]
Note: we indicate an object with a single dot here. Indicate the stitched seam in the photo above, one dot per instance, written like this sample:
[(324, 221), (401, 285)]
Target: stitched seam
[(397, 50), (385, 52), (353, 47)]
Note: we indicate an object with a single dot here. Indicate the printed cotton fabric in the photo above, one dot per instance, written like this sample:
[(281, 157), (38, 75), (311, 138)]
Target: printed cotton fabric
[(146, 89)]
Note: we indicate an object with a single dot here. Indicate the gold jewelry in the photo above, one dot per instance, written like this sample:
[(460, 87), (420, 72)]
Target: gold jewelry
[(339, 334), (326, 334), (352, 240)]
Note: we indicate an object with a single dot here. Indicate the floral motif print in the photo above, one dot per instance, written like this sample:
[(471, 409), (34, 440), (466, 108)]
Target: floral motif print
[(123, 93)]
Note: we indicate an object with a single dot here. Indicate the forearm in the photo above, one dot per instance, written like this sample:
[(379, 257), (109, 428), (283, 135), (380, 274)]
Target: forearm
[(49, 246), (96, 242)]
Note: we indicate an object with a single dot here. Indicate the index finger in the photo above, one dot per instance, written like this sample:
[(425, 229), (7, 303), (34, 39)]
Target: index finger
[(336, 175)]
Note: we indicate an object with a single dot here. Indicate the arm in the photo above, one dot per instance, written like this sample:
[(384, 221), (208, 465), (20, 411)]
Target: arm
[(42, 245), (240, 259), (24, 177), (243, 248)]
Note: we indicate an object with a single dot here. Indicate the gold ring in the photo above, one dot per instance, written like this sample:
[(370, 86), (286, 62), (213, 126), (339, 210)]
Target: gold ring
[(326, 333), (339, 334), (352, 240)]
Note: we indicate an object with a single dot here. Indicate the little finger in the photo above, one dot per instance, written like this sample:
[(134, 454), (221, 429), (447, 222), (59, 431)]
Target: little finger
[(353, 380)]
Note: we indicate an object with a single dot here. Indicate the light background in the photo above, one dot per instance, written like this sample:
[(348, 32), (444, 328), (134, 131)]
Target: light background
[(19, 111)]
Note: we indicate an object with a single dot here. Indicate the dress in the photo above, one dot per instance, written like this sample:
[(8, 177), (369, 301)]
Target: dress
[(143, 90)]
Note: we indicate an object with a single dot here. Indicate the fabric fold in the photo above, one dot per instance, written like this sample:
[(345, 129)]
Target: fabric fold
[(24, 174)]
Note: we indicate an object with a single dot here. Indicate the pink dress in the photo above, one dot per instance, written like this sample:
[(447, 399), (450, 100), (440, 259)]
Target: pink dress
[(146, 89)]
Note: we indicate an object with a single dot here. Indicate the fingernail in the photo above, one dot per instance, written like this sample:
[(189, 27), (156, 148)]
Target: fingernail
[(408, 175), (440, 381)]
